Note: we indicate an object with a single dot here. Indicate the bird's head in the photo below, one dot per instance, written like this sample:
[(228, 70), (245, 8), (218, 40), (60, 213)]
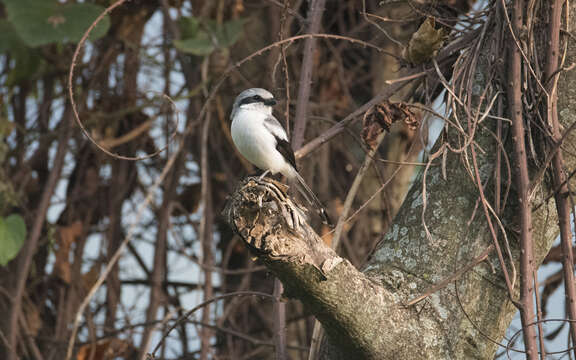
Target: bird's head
[(254, 99)]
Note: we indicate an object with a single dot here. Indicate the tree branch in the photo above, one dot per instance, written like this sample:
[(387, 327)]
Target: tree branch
[(353, 308), (523, 181), (561, 196), (30, 247), (315, 18)]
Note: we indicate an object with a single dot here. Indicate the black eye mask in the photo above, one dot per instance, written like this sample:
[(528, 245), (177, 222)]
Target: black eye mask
[(258, 99)]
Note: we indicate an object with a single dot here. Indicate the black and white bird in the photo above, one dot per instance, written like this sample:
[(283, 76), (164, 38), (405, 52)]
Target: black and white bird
[(262, 140)]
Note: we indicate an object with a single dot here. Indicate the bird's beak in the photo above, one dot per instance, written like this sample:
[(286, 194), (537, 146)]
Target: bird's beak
[(270, 102)]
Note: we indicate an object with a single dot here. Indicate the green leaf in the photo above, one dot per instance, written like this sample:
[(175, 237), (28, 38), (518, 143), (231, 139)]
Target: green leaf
[(12, 236), (28, 64), (200, 45), (203, 37), (9, 39), (229, 32), (40, 22), (188, 27)]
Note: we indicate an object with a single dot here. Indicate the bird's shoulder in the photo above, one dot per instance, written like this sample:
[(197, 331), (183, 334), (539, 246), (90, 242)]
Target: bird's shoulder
[(274, 126)]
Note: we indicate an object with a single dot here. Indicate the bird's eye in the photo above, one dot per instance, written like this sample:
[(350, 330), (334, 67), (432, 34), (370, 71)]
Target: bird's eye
[(257, 97)]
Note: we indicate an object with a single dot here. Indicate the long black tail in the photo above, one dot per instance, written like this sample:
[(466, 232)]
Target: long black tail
[(311, 198)]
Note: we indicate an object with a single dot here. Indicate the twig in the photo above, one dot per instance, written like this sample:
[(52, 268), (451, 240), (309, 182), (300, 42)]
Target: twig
[(480, 258), (353, 190), (403, 77), (7, 344), (493, 229), (515, 335), (342, 124), (284, 24), (288, 10), (300, 121), (388, 36), (244, 337), (114, 259), (158, 274), (201, 305), (523, 182), (206, 234), (279, 321), (318, 332), (301, 118), (561, 196), (134, 133), (30, 247), (32, 343), (75, 57), (480, 330), (539, 318)]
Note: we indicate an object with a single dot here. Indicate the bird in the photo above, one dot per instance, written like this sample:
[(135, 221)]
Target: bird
[(262, 140)]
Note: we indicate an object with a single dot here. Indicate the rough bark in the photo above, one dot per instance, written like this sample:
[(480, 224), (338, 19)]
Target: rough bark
[(354, 308), (363, 312)]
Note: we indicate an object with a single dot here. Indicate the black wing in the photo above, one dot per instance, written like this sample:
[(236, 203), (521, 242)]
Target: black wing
[(285, 149), (282, 144)]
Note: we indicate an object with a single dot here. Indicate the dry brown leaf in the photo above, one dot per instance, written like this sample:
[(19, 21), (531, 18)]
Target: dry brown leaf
[(238, 8), (105, 350), (68, 235), (89, 278), (33, 318), (382, 116), (425, 42)]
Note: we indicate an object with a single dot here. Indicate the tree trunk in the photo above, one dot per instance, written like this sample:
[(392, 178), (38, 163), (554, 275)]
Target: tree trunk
[(440, 229)]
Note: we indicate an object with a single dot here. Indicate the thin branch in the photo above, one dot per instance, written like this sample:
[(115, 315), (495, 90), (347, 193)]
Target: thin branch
[(348, 120), (114, 259), (561, 196), (30, 247), (8, 346), (301, 118), (523, 184), (75, 58), (279, 321), (203, 304), (159, 269), (442, 284), (494, 230), (288, 10), (404, 77), (279, 307), (539, 318), (353, 191), (318, 332), (205, 234)]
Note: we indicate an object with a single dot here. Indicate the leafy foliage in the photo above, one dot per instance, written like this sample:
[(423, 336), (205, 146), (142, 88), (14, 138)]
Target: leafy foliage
[(202, 37), (12, 236), (9, 38), (40, 22)]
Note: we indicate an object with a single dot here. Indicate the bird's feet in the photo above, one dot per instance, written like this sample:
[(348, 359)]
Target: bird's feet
[(263, 175)]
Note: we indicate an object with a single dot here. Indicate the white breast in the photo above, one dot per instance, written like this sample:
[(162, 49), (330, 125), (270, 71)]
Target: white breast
[(256, 143)]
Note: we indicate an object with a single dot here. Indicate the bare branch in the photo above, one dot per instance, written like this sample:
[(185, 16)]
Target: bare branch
[(523, 182)]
